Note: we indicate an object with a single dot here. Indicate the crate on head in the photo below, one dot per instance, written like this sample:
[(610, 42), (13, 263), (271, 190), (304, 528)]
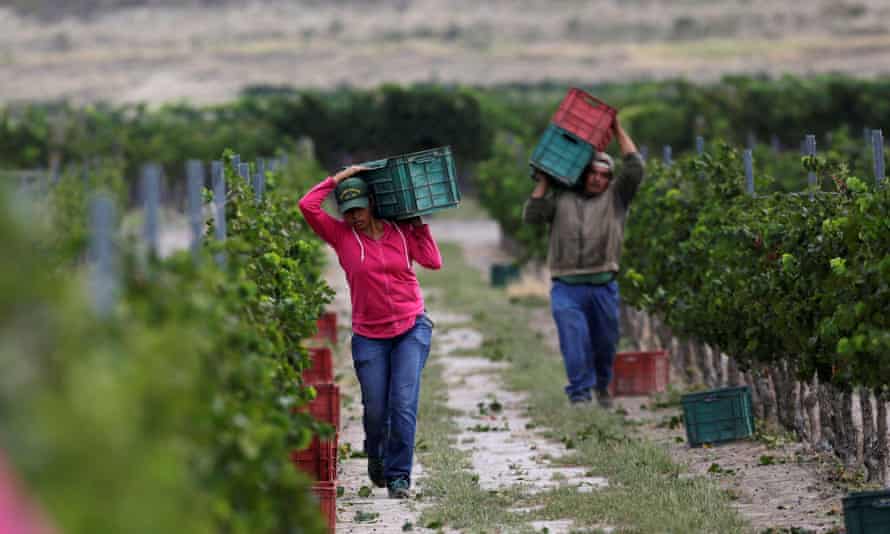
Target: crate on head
[(321, 366), (326, 493), (867, 512), (413, 184), (561, 155), (718, 415), (640, 373), (587, 117)]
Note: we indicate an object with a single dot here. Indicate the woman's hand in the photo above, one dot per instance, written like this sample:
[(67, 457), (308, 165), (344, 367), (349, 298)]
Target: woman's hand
[(347, 172), (415, 221)]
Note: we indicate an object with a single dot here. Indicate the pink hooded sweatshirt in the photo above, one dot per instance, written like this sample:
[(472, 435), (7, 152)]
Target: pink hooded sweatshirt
[(386, 297)]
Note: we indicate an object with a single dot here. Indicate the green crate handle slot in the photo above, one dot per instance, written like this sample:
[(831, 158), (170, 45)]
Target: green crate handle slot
[(570, 138), (712, 398), (378, 164), (422, 159), (371, 165), (883, 503)]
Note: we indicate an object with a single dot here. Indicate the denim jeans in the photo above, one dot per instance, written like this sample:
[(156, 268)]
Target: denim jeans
[(389, 374), (586, 318)]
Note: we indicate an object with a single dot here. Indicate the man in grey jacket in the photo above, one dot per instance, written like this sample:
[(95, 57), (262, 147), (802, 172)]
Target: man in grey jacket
[(586, 234)]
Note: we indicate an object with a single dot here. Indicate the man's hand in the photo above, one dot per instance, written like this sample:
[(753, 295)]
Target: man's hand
[(347, 172), (541, 185), (624, 141)]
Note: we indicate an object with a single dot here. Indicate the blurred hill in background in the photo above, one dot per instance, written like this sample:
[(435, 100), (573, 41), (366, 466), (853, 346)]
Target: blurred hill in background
[(208, 50)]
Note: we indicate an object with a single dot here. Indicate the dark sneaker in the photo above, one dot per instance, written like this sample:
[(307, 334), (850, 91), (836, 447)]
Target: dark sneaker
[(399, 488), (604, 399), (375, 471), (580, 402)]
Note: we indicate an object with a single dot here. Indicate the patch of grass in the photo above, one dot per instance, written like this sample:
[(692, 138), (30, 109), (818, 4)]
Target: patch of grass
[(459, 501), (646, 492)]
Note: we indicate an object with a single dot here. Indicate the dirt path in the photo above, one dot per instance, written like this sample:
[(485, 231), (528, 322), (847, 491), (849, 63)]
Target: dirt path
[(777, 484), (494, 430), (362, 507)]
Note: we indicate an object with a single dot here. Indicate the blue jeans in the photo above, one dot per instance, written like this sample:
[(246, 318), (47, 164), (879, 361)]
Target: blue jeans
[(586, 318), (389, 374)]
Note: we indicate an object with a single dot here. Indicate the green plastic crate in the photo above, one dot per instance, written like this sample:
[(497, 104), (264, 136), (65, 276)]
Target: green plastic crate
[(718, 415), (867, 512), (502, 274), (562, 155), (413, 184)]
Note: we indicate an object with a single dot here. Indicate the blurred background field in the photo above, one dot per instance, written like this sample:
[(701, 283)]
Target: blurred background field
[(207, 50)]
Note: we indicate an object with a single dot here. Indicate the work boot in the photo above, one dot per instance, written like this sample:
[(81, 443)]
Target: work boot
[(375, 471), (399, 488), (604, 398)]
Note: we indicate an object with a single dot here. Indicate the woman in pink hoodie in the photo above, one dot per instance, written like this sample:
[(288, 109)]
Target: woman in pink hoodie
[(391, 332)]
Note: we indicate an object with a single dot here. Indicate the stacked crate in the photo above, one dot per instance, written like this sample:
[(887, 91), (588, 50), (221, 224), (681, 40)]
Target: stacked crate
[(326, 328), (581, 125), (319, 460)]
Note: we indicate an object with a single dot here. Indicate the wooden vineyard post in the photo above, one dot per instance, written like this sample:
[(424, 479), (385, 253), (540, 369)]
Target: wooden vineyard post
[(103, 272), (151, 194), (219, 206), (195, 176), (877, 143)]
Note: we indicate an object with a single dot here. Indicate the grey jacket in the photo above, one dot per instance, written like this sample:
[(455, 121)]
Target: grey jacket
[(586, 233)]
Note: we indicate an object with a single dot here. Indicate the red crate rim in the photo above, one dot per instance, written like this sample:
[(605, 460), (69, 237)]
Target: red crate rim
[(642, 353), (576, 92)]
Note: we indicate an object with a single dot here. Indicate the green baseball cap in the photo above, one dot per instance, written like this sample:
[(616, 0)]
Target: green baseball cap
[(352, 193)]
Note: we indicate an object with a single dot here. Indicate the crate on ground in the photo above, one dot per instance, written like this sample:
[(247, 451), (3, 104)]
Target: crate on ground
[(562, 155), (640, 373), (587, 117), (413, 184), (326, 404), (718, 415), (326, 493), (326, 327), (502, 274), (321, 368), (319, 460), (867, 512)]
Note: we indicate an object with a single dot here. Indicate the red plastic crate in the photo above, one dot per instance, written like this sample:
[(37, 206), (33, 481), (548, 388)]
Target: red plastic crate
[(640, 373), (326, 405), (326, 326), (319, 460), (321, 370), (587, 117), (326, 492)]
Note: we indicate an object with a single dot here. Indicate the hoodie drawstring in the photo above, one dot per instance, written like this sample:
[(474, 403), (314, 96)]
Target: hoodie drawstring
[(361, 246), (404, 242)]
